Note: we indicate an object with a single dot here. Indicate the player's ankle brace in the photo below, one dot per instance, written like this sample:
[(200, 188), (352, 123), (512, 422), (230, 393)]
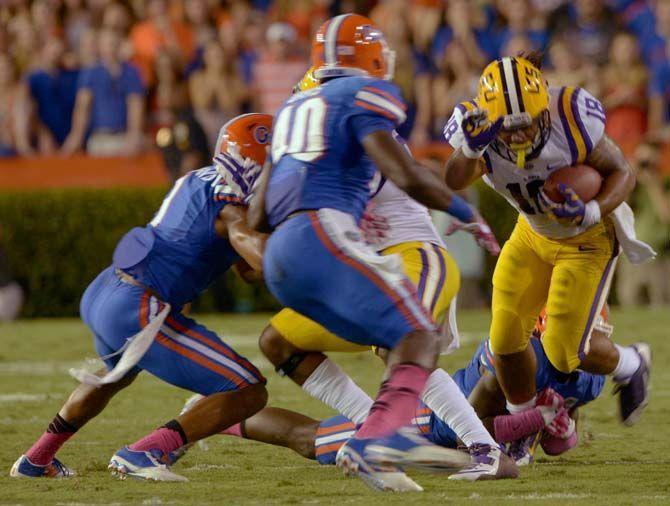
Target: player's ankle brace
[(291, 364)]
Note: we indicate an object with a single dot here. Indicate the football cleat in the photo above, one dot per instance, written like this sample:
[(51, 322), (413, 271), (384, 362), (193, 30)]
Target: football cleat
[(522, 451), (23, 468), (408, 448), (350, 458), (488, 463), (145, 465), (634, 393)]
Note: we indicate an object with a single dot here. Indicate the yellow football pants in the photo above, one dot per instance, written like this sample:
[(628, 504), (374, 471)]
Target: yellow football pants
[(430, 267), (571, 275)]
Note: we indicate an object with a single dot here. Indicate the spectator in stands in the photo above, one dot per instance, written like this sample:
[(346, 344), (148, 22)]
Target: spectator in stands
[(201, 21), (87, 51), (624, 92), (109, 107), (568, 69), (517, 16), (589, 26), (654, 40), (217, 92), (9, 112), (278, 68), (455, 83), (52, 90), (651, 201), (77, 20), (160, 31)]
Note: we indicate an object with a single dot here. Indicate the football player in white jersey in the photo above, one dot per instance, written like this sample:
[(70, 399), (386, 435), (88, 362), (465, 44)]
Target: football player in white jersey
[(513, 135), (295, 343)]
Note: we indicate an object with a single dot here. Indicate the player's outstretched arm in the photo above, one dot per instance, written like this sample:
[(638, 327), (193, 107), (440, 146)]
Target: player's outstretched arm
[(393, 160), (618, 175), (248, 243)]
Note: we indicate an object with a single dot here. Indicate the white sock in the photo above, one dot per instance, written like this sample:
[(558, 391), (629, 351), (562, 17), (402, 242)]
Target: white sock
[(446, 400), (333, 387), (629, 361), (518, 408)]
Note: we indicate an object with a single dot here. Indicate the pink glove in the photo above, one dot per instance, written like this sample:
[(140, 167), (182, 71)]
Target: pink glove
[(480, 230), (374, 226)]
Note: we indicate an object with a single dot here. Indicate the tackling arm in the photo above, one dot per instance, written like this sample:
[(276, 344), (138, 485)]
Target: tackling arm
[(257, 218), (248, 243), (393, 160), (618, 175)]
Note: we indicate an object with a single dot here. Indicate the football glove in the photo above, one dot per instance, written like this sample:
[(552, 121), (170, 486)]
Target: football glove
[(238, 177), (480, 230), (478, 132), (573, 210)]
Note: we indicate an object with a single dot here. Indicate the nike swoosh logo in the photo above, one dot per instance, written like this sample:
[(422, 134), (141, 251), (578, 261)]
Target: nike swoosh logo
[(581, 247)]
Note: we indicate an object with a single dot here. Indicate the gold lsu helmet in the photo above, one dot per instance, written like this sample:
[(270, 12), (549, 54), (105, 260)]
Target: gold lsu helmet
[(514, 89), (307, 82)]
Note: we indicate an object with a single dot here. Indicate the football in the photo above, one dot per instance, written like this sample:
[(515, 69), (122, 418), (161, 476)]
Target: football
[(585, 180)]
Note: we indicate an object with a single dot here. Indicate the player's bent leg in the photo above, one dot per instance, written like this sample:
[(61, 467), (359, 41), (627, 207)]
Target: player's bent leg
[(190, 356), (520, 285), (313, 371), (83, 404)]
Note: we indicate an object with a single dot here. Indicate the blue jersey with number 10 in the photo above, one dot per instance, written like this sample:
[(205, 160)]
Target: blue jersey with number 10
[(316, 146)]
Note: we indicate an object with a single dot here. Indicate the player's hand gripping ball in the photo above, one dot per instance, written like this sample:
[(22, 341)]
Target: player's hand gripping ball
[(567, 195)]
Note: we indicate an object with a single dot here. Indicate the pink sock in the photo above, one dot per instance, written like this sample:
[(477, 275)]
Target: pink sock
[(164, 439), (45, 448), (396, 402), (513, 427), (233, 430)]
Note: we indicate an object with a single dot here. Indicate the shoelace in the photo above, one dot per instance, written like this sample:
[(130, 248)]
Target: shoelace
[(60, 468), (480, 454)]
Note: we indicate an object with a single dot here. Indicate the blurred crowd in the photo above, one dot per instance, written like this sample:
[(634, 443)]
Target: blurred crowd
[(118, 77), (104, 76)]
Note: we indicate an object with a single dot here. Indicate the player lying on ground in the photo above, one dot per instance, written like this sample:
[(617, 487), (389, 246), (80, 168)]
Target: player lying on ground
[(549, 423), (395, 225), (514, 134), (198, 233), (316, 261)]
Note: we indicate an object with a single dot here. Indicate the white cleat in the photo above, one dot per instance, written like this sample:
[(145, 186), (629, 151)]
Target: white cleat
[(408, 448), (381, 478), (488, 463)]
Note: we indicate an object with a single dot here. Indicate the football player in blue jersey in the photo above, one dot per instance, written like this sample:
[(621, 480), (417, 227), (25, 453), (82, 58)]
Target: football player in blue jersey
[(134, 311), (550, 423), (327, 144)]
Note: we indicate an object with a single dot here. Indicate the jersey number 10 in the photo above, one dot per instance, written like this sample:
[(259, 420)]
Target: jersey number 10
[(299, 130), (533, 189)]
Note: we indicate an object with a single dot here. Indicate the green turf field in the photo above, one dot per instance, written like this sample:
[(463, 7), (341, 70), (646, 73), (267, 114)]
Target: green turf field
[(612, 465)]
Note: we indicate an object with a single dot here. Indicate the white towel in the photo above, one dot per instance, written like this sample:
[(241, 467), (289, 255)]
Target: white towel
[(133, 351), (449, 336), (635, 250)]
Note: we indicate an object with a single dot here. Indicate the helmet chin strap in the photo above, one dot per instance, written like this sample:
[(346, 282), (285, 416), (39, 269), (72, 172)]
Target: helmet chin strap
[(520, 150)]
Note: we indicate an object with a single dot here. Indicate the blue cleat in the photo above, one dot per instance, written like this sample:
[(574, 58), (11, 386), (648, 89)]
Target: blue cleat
[(408, 448), (23, 468), (634, 393), (145, 465), (351, 459)]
